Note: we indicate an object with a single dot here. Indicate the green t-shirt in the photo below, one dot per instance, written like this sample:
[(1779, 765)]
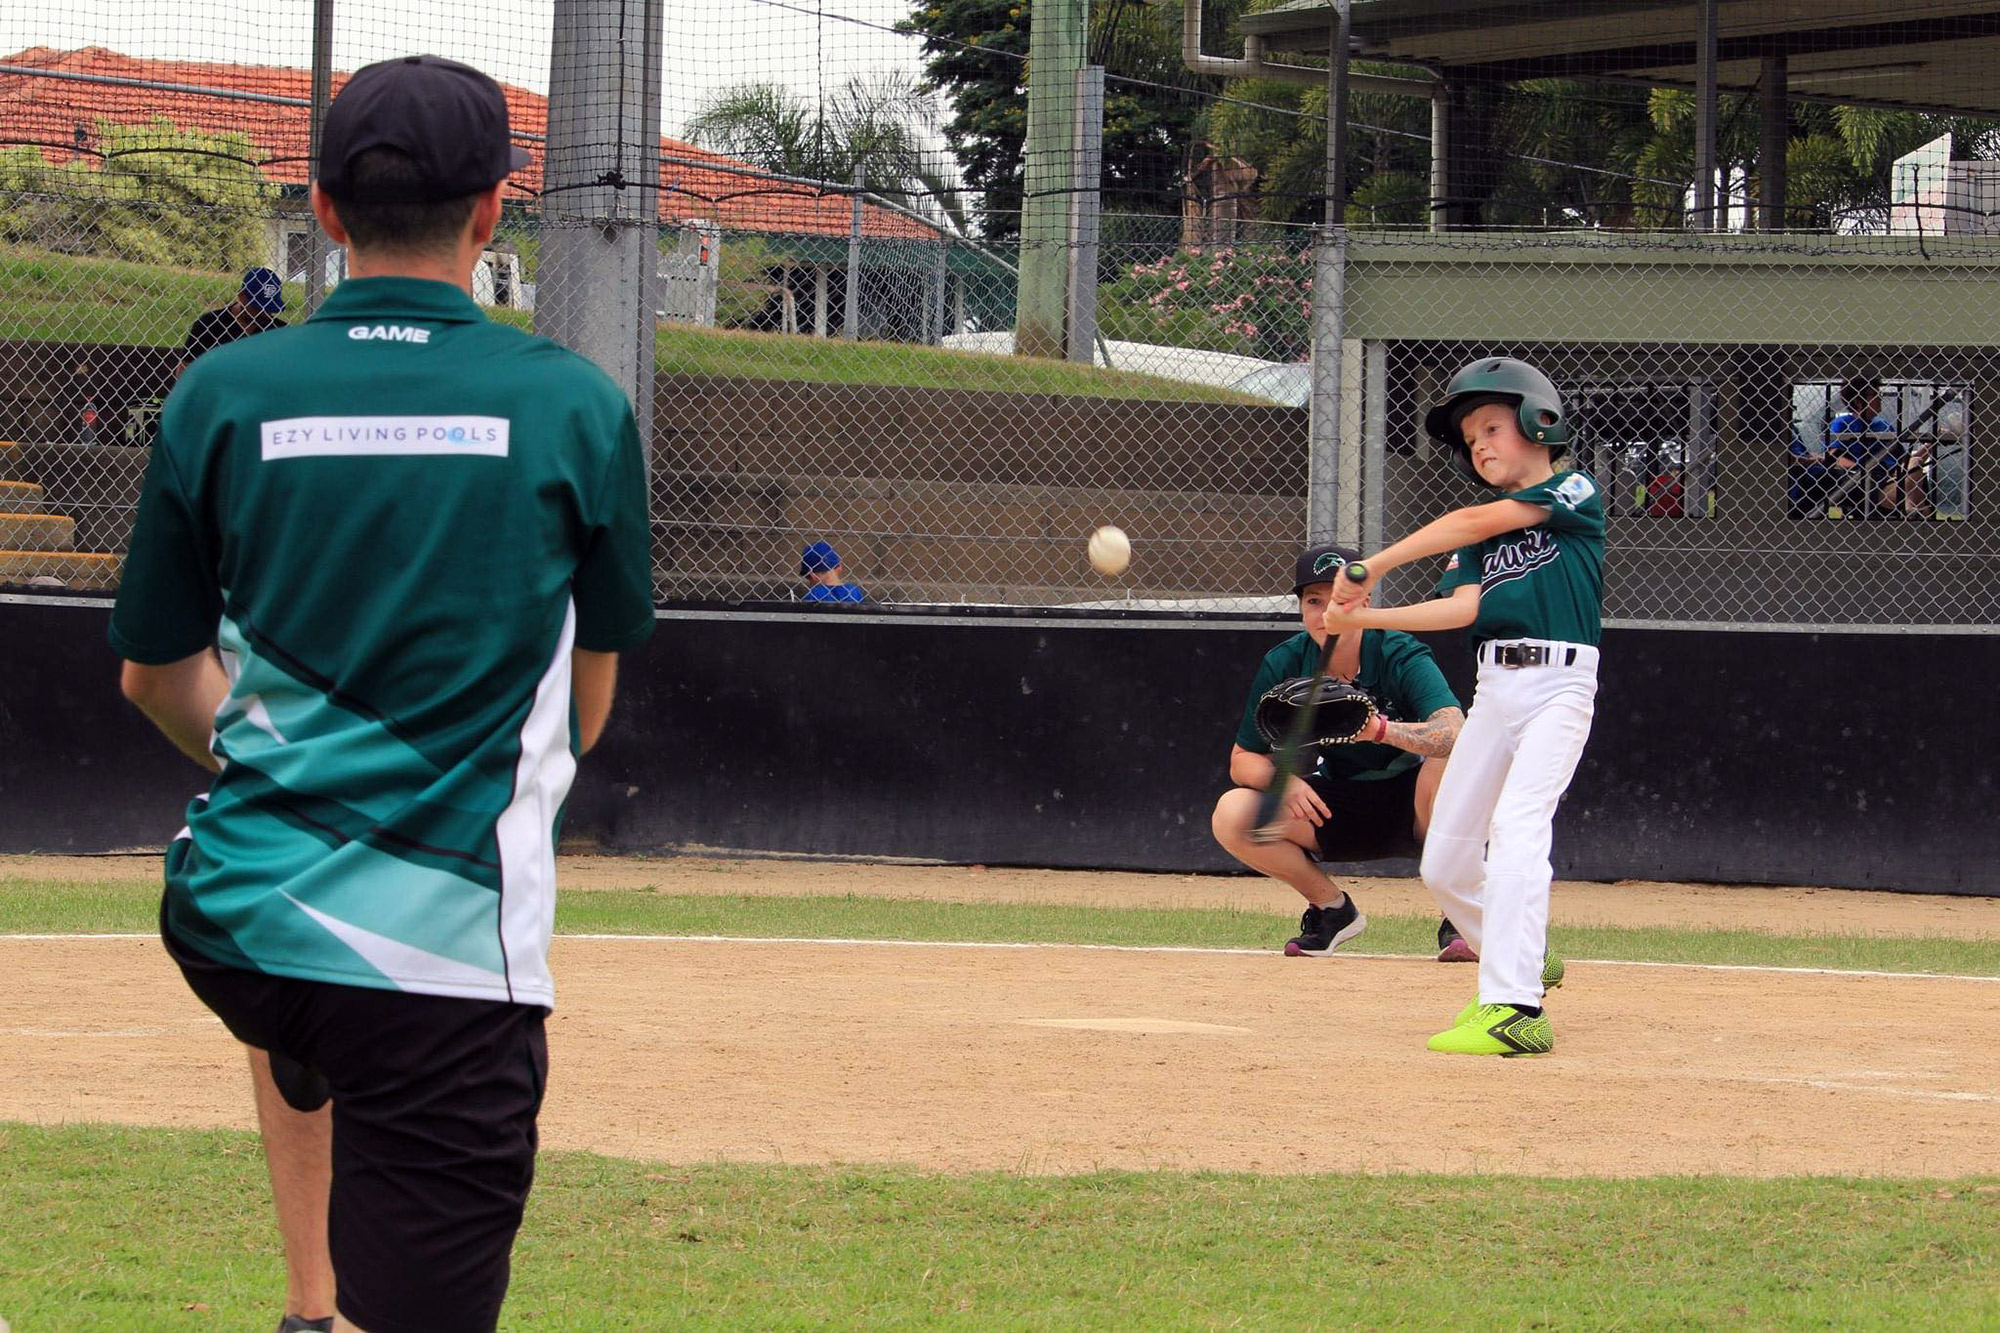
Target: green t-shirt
[(1395, 667), (394, 521), (1544, 582)]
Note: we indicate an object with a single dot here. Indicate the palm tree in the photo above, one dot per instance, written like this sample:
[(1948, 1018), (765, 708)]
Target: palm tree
[(880, 127)]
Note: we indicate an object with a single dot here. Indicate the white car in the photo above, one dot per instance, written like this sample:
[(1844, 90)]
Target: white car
[(1287, 386)]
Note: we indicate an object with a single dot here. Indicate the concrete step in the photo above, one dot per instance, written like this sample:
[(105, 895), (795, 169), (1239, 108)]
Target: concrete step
[(23, 497), (13, 461), (37, 532), (68, 569)]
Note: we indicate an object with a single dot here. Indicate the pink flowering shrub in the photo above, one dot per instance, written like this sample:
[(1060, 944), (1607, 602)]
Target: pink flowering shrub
[(1256, 300)]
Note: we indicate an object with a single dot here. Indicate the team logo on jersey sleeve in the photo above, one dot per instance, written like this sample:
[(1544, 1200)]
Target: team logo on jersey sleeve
[(1575, 489)]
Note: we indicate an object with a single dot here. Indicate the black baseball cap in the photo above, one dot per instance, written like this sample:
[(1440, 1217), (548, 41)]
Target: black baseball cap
[(1319, 564), (448, 117)]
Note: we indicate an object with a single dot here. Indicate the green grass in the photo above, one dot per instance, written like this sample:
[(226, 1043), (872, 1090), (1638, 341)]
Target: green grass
[(67, 298), (64, 298), (64, 907), (113, 1228)]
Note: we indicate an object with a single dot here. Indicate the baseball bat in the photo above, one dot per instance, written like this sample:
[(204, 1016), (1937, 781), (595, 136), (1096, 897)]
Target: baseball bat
[(1291, 756)]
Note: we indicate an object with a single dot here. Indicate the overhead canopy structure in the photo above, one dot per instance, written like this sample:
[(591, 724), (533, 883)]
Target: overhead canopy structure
[(1920, 55)]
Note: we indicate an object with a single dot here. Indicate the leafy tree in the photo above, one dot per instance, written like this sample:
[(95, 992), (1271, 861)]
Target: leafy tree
[(976, 54), (1838, 158), (157, 195)]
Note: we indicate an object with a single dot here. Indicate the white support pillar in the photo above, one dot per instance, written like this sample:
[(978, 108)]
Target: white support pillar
[(598, 286)]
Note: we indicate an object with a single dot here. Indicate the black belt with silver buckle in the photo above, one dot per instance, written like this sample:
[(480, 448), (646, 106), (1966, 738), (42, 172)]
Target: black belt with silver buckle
[(1528, 655)]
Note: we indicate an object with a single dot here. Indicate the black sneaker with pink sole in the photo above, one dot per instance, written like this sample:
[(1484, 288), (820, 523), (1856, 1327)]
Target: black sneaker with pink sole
[(1324, 929)]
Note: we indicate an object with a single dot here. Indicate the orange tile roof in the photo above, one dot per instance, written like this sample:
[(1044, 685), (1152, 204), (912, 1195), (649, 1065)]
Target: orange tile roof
[(51, 112)]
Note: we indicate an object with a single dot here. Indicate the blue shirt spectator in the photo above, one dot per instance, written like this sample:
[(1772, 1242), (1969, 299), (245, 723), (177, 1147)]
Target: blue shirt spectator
[(821, 563), (1861, 440)]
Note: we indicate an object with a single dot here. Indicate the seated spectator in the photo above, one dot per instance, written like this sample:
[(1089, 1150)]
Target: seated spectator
[(255, 309), (1861, 446), (1809, 480), (1943, 466), (1665, 496), (821, 564)]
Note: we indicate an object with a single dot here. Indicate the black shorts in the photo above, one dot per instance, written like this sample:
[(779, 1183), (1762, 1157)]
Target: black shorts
[(1371, 821), (434, 1105)]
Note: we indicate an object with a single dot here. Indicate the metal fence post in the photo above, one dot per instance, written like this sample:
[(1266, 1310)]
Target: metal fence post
[(1323, 449), (938, 297), (1087, 171), (1706, 23), (851, 321), (1374, 441), (319, 248), (599, 271)]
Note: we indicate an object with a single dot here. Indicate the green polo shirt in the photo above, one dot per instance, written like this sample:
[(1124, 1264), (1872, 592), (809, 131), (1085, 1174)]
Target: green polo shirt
[(1395, 667), (394, 521), (1544, 582)]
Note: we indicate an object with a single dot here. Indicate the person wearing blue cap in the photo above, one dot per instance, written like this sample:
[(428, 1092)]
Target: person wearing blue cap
[(821, 563), (255, 309)]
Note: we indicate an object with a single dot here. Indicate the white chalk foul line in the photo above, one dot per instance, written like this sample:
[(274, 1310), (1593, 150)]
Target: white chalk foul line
[(1821, 1084), (1264, 953), (1149, 948)]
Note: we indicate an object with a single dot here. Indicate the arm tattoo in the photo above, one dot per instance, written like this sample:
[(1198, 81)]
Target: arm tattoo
[(1432, 737)]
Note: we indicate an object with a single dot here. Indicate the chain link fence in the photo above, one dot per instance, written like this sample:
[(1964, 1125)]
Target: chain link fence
[(1805, 452), (846, 342)]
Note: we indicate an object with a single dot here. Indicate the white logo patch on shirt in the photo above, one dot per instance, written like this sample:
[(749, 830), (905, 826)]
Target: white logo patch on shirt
[(1576, 488), (359, 437), (393, 333)]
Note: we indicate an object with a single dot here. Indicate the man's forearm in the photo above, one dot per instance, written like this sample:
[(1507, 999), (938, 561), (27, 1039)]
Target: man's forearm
[(594, 680), (1432, 738), (181, 699)]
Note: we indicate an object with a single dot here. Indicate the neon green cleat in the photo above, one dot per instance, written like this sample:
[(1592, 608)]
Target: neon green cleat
[(1552, 977), (1497, 1029)]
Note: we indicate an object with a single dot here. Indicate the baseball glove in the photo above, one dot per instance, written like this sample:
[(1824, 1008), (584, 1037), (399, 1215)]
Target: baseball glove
[(1340, 712)]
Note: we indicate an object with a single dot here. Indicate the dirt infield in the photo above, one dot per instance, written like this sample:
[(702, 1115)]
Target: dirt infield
[(1060, 1058)]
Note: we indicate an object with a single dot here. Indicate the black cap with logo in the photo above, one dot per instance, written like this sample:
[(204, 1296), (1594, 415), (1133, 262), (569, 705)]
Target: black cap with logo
[(449, 118), (1321, 564)]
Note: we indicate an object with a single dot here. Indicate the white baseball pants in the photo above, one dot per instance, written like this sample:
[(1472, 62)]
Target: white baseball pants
[(1486, 857)]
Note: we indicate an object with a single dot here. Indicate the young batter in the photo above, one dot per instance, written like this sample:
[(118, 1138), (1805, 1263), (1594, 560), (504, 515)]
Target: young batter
[(1527, 575)]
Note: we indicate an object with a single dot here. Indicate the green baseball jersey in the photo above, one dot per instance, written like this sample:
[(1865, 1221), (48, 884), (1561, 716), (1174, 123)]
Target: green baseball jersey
[(1395, 667), (394, 522), (1544, 582)]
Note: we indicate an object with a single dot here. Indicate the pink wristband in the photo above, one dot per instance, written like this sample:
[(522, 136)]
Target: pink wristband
[(1381, 729)]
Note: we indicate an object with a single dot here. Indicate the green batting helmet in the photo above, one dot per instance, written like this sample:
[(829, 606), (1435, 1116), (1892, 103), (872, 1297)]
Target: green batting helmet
[(1498, 379)]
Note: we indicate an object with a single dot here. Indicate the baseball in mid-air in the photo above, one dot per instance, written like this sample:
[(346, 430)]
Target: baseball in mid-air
[(1110, 550)]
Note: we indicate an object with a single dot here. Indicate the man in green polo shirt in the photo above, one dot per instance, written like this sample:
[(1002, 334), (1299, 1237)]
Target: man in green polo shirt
[(1364, 801), (383, 566)]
